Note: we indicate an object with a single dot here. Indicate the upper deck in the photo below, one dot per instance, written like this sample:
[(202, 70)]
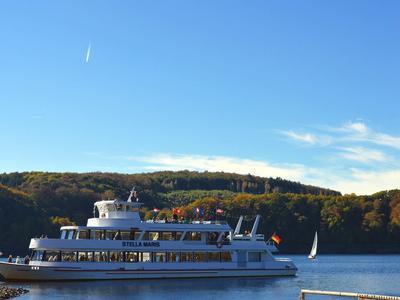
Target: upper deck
[(118, 214)]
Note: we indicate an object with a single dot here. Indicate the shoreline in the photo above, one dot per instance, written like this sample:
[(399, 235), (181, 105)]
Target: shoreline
[(8, 292)]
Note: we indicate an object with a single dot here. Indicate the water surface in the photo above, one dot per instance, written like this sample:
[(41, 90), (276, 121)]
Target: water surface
[(358, 273)]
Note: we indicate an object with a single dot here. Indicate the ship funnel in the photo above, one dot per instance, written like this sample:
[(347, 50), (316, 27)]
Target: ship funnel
[(253, 233), (238, 225)]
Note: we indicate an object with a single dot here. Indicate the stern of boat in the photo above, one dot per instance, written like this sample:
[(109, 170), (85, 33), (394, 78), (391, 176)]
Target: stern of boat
[(287, 266)]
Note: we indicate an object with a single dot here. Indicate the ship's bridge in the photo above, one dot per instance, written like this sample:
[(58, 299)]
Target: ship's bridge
[(115, 213)]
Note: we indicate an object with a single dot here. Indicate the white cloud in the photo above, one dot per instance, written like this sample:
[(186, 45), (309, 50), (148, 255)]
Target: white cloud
[(222, 163), (368, 182), (385, 140), (363, 155), (355, 181), (357, 127), (306, 137)]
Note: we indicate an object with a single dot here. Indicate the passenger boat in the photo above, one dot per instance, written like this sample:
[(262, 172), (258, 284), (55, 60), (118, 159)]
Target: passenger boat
[(117, 244)]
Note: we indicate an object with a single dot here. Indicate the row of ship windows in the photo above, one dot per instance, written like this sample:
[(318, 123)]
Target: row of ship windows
[(135, 235), (130, 256)]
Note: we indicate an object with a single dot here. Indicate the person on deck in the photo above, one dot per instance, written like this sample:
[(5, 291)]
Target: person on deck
[(26, 260), (10, 259), (175, 218)]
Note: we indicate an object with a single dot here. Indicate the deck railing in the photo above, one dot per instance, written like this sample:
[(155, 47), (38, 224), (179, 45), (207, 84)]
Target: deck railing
[(219, 222), (358, 296)]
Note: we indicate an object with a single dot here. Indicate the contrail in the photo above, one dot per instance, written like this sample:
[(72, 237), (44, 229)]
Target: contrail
[(88, 52)]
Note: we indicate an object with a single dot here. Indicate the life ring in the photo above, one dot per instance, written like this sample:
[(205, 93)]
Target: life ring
[(219, 245)]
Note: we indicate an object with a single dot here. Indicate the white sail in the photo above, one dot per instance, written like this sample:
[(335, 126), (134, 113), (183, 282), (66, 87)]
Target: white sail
[(313, 252)]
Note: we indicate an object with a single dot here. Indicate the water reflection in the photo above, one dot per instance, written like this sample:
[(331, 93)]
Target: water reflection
[(358, 273), (210, 288)]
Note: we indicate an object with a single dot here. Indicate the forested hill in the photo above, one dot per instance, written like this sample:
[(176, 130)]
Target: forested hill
[(159, 182), (35, 203)]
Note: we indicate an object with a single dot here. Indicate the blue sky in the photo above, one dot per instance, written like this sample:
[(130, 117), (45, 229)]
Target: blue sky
[(304, 90)]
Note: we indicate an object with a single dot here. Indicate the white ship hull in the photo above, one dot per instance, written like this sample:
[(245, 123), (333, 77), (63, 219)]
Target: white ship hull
[(19, 272)]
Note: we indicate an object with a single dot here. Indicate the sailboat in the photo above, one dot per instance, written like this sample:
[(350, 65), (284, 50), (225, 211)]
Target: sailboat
[(313, 252)]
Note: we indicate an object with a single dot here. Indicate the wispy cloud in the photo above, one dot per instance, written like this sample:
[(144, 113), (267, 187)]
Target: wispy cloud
[(354, 143), (360, 132), (385, 140), (357, 127), (306, 137), (353, 138), (363, 155)]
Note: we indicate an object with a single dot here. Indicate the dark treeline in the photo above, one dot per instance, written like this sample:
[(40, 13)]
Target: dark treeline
[(35, 203)]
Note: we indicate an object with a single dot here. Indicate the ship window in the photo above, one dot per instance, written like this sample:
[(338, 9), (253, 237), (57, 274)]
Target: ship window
[(214, 256), (111, 234), (193, 236), (132, 257), (134, 235), (199, 256), (226, 257), (83, 234), (212, 237), (125, 235), (159, 257), (51, 256), (63, 234), (151, 236), (116, 256), (173, 257), (186, 256), (37, 255), (254, 256), (146, 256), (178, 235), (225, 237), (96, 234), (166, 236), (110, 207), (68, 256), (85, 256), (71, 234), (100, 256), (117, 235)]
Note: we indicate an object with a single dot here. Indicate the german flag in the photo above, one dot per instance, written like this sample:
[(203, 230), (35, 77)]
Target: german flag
[(276, 238), (176, 211)]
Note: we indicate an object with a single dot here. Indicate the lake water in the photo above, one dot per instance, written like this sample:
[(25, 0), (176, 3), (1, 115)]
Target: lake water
[(358, 273)]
